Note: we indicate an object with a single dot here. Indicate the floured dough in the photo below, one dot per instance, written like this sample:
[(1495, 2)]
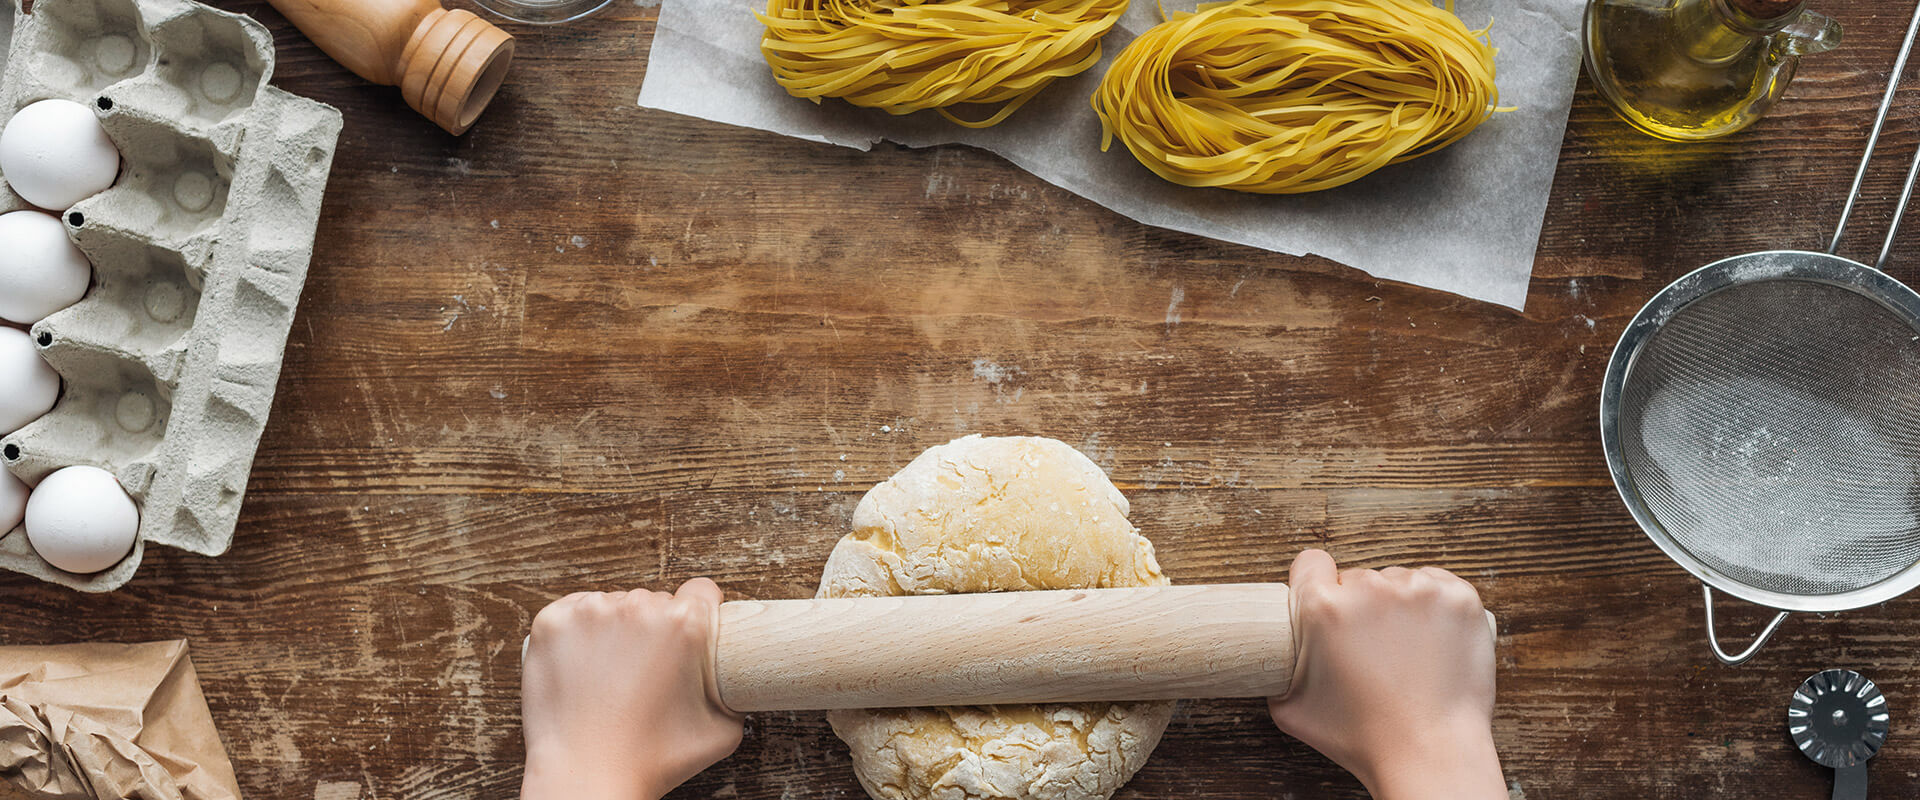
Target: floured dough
[(994, 515)]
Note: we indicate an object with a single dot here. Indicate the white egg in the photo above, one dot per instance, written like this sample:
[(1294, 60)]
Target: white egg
[(13, 502), (28, 384), (41, 271), (54, 154), (80, 520)]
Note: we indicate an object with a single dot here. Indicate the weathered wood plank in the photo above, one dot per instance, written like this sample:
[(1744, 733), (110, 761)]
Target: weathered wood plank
[(590, 346)]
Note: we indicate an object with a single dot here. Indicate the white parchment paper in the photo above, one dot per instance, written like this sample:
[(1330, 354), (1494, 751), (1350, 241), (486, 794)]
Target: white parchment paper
[(1465, 220)]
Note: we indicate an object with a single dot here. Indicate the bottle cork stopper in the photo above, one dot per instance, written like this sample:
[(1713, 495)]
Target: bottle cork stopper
[(1767, 9)]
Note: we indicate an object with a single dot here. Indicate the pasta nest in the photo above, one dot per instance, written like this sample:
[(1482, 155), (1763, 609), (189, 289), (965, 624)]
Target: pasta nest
[(1289, 96), (910, 55)]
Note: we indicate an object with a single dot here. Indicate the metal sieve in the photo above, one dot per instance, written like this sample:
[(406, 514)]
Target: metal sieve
[(1761, 419)]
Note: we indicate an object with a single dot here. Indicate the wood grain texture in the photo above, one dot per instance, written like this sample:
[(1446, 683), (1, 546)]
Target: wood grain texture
[(1201, 641), (1061, 646), (587, 346)]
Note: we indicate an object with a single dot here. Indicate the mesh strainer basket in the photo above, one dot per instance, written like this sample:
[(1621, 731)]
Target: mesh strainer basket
[(1761, 419)]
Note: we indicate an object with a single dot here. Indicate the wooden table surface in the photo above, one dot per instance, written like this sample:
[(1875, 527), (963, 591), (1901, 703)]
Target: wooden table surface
[(588, 346)]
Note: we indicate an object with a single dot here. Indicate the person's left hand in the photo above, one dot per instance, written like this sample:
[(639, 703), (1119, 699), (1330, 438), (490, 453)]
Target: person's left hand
[(616, 697)]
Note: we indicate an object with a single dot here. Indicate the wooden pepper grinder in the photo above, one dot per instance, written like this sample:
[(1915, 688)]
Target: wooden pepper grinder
[(448, 64)]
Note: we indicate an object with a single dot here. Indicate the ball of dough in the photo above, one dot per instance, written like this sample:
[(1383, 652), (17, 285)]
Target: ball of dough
[(995, 515)]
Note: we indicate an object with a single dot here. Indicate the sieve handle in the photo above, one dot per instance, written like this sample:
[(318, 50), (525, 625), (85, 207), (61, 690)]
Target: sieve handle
[(1866, 158), (1713, 638)]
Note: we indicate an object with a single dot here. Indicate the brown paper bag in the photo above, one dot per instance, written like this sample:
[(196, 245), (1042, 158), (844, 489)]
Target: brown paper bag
[(100, 721)]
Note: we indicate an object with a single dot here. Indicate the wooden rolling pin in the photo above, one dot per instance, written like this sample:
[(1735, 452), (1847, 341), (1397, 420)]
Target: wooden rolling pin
[(448, 64), (1154, 643)]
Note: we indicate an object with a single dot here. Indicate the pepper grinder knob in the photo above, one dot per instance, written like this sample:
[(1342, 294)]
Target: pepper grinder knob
[(447, 63)]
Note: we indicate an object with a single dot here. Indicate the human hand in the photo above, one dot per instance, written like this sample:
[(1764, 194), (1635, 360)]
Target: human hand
[(1395, 679), (616, 696)]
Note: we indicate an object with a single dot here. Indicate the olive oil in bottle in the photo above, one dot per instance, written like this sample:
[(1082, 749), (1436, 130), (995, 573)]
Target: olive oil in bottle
[(1698, 69)]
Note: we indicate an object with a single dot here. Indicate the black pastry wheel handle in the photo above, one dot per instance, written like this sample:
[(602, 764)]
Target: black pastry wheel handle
[(1839, 719)]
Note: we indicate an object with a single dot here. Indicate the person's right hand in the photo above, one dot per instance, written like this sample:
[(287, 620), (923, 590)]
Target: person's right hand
[(1394, 680), (615, 695)]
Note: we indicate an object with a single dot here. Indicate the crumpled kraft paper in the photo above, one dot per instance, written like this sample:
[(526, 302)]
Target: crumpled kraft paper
[(1465, 220), (102, 721)]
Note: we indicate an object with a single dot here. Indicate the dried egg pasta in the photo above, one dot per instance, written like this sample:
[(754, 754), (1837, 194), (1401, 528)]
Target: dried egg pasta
[(1287, 96), (904, 56)]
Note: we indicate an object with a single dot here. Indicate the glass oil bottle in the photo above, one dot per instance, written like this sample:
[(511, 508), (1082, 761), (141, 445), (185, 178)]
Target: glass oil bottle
[(1699, 69)]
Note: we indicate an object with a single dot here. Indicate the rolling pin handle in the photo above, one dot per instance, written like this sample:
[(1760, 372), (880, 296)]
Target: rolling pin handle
[(711, 668)]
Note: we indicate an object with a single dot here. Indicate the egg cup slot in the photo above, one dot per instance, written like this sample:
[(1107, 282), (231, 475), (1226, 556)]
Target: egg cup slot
[(7, 14), (172, 186), (112, 414), (213, 62), (144, 297), (86, 46)]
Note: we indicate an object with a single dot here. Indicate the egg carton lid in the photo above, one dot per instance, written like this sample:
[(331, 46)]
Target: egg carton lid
[(200, 251)]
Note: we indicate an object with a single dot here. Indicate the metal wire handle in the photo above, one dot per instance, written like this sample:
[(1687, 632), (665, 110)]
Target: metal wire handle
[(1713, 637), (1873, 139)]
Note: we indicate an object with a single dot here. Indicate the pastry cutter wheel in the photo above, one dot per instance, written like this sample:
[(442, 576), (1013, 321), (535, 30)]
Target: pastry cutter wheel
[(1761, 420), (1839, 719)]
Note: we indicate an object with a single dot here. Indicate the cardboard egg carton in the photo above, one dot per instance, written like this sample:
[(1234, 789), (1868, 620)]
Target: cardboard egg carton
[(199, 253)]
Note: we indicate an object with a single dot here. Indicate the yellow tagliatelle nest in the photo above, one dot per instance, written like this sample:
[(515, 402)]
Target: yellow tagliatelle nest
[(1287, 96), (908, 55)]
